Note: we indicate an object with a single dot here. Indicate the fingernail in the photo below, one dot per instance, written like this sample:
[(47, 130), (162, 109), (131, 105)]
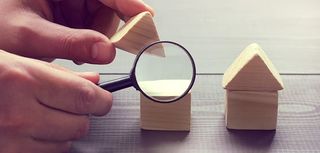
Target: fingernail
[(89, 74), (151, 10), (99, 51)]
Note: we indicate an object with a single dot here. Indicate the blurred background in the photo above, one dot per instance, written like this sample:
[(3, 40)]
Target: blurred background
[(216, 31)]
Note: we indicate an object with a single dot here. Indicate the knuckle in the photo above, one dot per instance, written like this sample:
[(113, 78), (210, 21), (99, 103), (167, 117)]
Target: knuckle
[(83, 129), (56, 66), (24, 29), (27, 33), (68, 42), (10, 123), (105, 106), (15, 76), (65, 147), (77, 45), (15, 72), (85, 98), (109, 103)]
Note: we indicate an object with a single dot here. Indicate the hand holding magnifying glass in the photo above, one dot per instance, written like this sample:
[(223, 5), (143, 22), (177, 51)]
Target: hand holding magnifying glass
[(170, 73)]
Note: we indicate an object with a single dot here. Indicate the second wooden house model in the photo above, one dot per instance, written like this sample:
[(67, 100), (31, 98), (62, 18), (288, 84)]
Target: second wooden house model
[(252, 83)]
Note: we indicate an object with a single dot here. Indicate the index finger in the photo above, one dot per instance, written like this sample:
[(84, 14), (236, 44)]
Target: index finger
[(128, 8), (68, 92)]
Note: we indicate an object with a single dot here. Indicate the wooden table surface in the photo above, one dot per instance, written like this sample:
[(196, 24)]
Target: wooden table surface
[(298, 128), (215, 32)]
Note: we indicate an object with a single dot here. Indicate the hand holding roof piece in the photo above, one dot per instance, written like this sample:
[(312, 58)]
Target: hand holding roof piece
[(137, 33), (252, 85)]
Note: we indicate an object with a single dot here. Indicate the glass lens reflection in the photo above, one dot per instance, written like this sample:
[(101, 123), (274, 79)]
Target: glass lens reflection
[(164, 71)]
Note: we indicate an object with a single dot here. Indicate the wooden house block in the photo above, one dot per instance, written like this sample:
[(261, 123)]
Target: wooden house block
[(252, 70), (252, 85), (253, 110), (165, 116), (136, 33)]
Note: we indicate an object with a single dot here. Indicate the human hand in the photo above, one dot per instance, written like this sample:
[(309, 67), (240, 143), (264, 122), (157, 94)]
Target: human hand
[(43, 107), (66, 29)]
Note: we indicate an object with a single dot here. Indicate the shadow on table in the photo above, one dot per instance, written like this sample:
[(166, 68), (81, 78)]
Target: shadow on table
[(254, 139), (152, 138)]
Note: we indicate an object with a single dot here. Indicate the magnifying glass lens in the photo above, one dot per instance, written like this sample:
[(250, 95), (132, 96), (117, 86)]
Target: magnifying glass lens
[(164, 71)]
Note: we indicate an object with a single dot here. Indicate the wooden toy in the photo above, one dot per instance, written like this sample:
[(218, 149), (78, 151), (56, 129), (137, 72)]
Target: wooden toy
[(252, 83), (165, 116), (173, 116), (136, 34), (133, 36)]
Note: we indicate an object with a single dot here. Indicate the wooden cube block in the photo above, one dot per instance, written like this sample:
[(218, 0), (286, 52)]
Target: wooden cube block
[(251, 110), (165, 116)]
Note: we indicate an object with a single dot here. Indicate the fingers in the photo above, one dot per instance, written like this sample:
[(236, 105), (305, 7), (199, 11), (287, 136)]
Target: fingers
[(105, 21), (91, 76), (27, 123), (128, 8), (28, 145), (45, 146), (62, 42), (54, 125), (53, 147), (68, 92)]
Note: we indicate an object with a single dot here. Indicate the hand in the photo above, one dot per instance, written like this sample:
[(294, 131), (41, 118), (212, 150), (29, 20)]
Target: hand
[(43, 107), (64, 28)]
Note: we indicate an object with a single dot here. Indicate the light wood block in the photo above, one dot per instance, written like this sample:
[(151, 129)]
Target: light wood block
[(252, 70), (136, 34), (174, 116), (251, 110)]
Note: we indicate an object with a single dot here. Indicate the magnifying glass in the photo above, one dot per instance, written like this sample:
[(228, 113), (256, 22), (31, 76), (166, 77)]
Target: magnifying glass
[(164, 72)]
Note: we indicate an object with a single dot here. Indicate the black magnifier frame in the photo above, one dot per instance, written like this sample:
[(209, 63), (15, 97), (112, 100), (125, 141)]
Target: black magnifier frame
[(128, 81)]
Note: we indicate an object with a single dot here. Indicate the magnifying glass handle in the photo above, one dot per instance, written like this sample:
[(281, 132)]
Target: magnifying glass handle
[(117, 84)]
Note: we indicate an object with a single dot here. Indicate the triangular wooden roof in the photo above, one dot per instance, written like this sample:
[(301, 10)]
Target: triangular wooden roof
[(252, 70), (136, 33)]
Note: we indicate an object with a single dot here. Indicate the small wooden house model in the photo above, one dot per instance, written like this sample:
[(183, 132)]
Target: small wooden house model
[(252, 83), (139, 32)]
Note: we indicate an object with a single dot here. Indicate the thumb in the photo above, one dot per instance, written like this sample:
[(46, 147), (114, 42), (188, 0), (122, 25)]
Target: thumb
[(91, 76), (44, 39)]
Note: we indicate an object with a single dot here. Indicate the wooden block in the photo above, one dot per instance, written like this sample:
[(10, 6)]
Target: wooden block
[(165, 116), (252, 70), (251, 110), (136, 34)]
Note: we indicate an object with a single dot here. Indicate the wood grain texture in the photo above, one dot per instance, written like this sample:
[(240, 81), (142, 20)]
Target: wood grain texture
[(297, 128), (252, 70), (251, 110), (174, 116), (136, 33)]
